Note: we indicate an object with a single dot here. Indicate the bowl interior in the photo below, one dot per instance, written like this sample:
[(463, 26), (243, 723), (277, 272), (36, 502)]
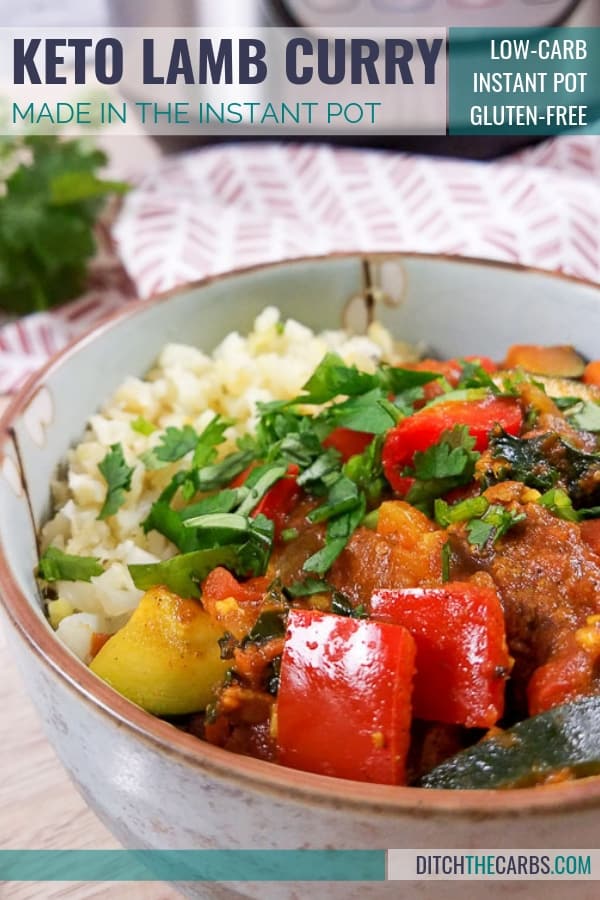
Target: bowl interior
[(454, 307)]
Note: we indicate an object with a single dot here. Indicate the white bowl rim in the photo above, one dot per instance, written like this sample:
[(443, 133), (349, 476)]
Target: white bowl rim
[(243, 771)]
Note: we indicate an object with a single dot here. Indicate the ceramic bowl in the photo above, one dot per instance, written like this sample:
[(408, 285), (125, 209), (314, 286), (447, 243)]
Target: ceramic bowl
[(156, 787)]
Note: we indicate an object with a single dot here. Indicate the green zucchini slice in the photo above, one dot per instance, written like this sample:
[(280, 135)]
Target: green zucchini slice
[(566, 737)]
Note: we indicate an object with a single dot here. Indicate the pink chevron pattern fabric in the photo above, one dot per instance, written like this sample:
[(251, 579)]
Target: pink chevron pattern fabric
[(231, 206)]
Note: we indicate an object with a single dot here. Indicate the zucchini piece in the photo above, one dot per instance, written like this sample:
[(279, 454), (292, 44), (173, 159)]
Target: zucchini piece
[(566, 737)]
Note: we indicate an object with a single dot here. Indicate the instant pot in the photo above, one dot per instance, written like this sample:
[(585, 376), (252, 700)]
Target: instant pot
[(392, 14)]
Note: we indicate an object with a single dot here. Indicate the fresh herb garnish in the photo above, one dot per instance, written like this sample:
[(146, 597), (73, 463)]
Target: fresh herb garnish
[(142, 426), (117, 475), (182, 574), (49, 204), (342, 497), (307, 588), (175, 443), (333, 378), (446, 465), (339, 532), (366, 471), (559, 503), (58, 566), (341, 606), (473, 375), (446, 514), (493, 525), (446, 561), (270, 624)]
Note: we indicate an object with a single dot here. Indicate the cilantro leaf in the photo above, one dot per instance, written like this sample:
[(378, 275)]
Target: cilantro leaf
[(212, 436), (559, 503), (366, 471), (472, 508), (212, 477), (396, 380), (270, 624), (473, 375), (48, 207), (449, 458), (343, 496), (58, 566), (117, 475), (446, 561), (493, 525), (143, 426), (448, 464), (182, 574), (333, 378), (339, 532), (308, 588), (370, 412), (258, 483)]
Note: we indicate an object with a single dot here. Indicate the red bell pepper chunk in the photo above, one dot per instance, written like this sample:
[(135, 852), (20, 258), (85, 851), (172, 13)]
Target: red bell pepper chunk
[(348, 442), (565, 677), (426, 427), (343, 707), (450, 369), (221, 584), (462, 659)]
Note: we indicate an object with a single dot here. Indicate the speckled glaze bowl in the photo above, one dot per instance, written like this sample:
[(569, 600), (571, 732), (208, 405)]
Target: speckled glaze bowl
[(156, 787)]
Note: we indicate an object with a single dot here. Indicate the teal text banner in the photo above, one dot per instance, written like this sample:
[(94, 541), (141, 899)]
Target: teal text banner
[(525, 81), (192, 865)]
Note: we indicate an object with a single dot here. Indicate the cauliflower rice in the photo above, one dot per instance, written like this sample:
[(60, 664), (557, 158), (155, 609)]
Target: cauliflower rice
[(186, 386)]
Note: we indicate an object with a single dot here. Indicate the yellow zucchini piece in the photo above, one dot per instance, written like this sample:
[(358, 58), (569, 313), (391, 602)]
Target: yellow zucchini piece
[(166, 658)]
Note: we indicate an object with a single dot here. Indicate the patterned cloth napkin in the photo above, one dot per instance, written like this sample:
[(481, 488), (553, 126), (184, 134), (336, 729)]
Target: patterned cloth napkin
[(226, 207)]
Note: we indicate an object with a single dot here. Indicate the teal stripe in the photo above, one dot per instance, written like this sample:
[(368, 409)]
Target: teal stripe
[(192, 865)]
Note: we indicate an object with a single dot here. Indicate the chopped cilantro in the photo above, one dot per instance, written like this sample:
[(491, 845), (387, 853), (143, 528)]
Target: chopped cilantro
[(258, 483), (343, 496), (448, 464), (308, 588), (142, 426), (175, 443), (493, 525), (117, 475), (559, 503), (270, 624), (339, 532), (58, 566), (446, 561), (472, 508), (473, 375), (371, 412), (333, 378), (183, 573), (210, 478)]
